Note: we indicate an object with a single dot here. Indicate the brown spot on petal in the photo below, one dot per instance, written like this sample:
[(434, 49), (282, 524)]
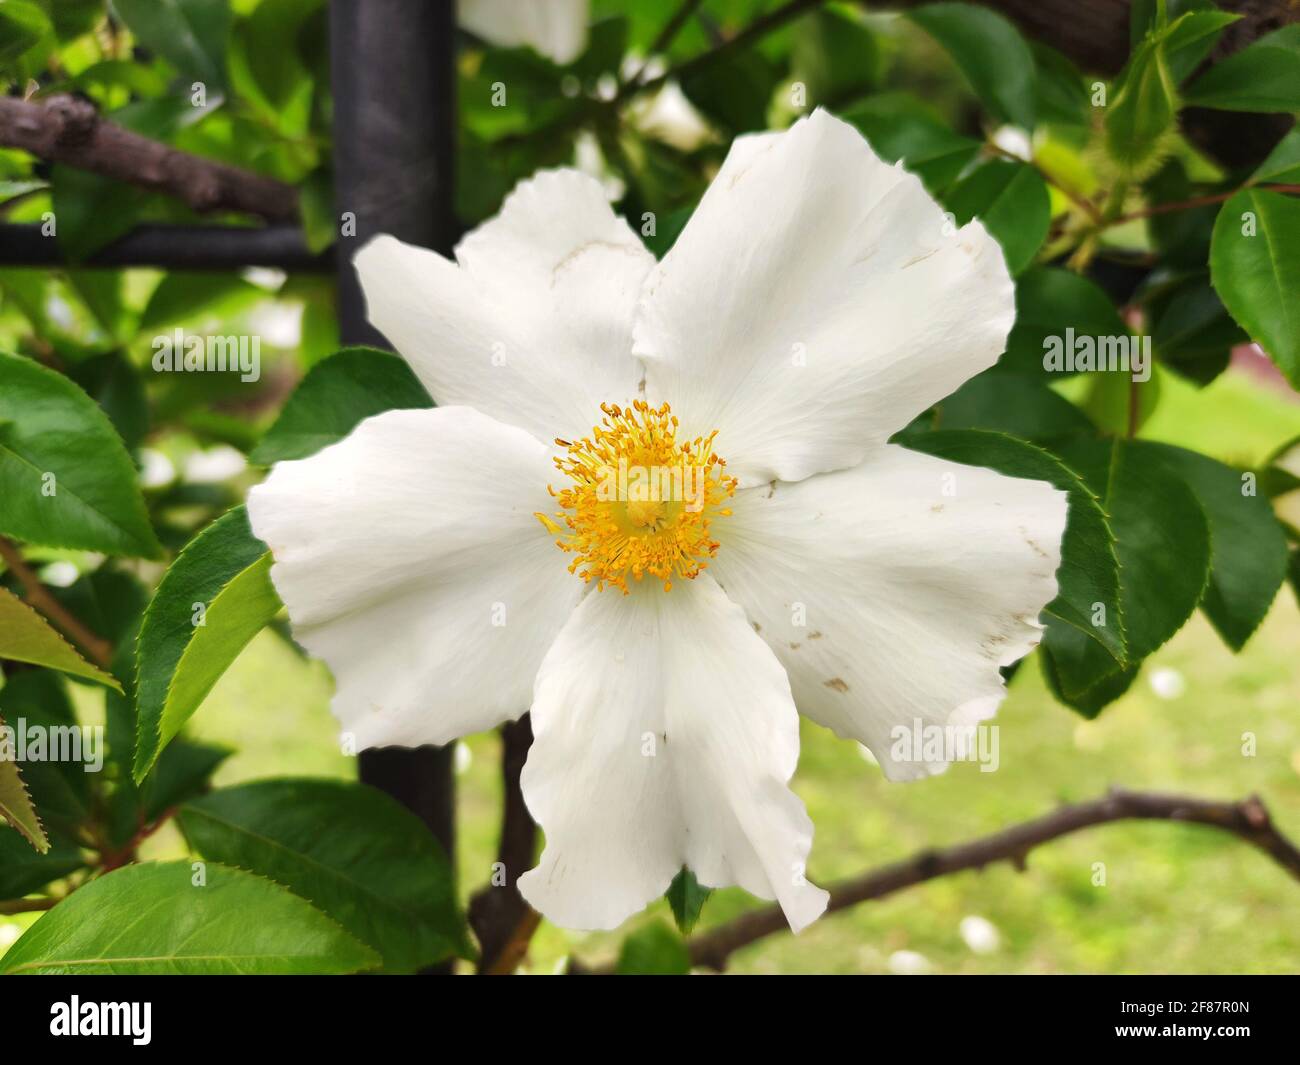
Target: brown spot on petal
[(835, 684)]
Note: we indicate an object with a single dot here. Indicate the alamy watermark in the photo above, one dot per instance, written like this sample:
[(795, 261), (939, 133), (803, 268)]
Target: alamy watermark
[(922, 743), (181, 352), (1109, 354), (22, 742)]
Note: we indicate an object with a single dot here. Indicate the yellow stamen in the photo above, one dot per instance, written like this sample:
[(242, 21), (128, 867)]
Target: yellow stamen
[(640, 502)]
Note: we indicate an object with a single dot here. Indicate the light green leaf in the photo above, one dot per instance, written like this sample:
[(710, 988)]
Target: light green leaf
[(25, 636), (654, 950), (206, 921), (1142, 109), (991, 53), (16, 804), (1255, 268), (1283, 163), (377, 870), (336, 395), (65, 478), (1263, 76), (222, 577)]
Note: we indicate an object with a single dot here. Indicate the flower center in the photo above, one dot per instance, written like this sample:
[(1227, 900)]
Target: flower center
[(640, 502)]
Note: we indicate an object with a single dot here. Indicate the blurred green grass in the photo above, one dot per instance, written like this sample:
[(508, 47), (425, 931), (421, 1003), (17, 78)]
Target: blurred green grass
[(1176, 898)]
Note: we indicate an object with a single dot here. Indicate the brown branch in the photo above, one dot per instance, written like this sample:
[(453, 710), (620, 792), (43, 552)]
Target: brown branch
[(502, 920), (1248, 820), (96, 648), (8, 906), (68, 130)]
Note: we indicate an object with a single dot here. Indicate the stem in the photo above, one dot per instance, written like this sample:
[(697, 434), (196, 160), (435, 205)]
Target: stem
[(97, 649), (666, 35), (1198, 201), (9, 906), (1248, 820)]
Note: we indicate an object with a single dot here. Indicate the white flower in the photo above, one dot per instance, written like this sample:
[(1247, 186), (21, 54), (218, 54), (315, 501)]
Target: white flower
[(815, 303), (1167, 683), (556, 29), (667, 115)]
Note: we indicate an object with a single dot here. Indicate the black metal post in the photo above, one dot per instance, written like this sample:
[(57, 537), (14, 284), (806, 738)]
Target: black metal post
[(392, 68)]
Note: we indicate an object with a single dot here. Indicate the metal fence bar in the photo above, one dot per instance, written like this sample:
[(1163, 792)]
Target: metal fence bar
[(392, 68)]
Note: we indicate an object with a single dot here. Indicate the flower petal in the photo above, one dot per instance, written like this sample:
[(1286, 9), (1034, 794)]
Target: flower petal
[(533, 322), (411, 563), (890, 601), (665, 736), (556, 29), (815, 303)]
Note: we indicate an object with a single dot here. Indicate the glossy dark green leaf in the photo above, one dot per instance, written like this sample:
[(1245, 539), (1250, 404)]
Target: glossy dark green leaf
[(375, 869), (1255, 268), (1012, 201), (1248, 557), (899, 127), (1050, 301), (23, 870), (1019, 405), (65, 478), (336, 395), (1191, 331), (686, 896), (221, 579), (1283, 162), (1088, 575), (16, 807), (836, 56), (991, 53), (1263, 76), (1162, 541), (209, 920)]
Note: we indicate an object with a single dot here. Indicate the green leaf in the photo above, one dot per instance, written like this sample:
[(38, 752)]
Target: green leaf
[(1162, 540), (1012, 201), (899, 127), (16, 804), (22, 24), (734, 91), (653, 950), (229, 923), (1248, 557), (836, 56), (1192, 37), (60, 788), (1012, 403), (1061, 95), (192, 35), (377, 871), (1263, 76), (991, 53), (223, 577), (337, 394), (25, 636), (1283, 163), (91, 211), (1142, 110), (1088, 575), (1191, 331), (23, 870), (687, 897), (1049, 301), (65, 478), (1255, 268)]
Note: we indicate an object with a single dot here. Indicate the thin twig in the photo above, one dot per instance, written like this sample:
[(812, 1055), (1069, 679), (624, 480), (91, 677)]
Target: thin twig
[(1198, 201), (1248, 820), (666, 36), (97, 649), (8, 906)]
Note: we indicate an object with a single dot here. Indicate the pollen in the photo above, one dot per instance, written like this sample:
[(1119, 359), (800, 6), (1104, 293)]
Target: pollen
[(637, 501)]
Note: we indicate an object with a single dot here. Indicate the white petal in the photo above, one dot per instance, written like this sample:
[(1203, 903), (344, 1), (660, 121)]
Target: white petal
[(411, 563), (665, 736), (556, 28), (815, 303), (532, 324), (890, 602)]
